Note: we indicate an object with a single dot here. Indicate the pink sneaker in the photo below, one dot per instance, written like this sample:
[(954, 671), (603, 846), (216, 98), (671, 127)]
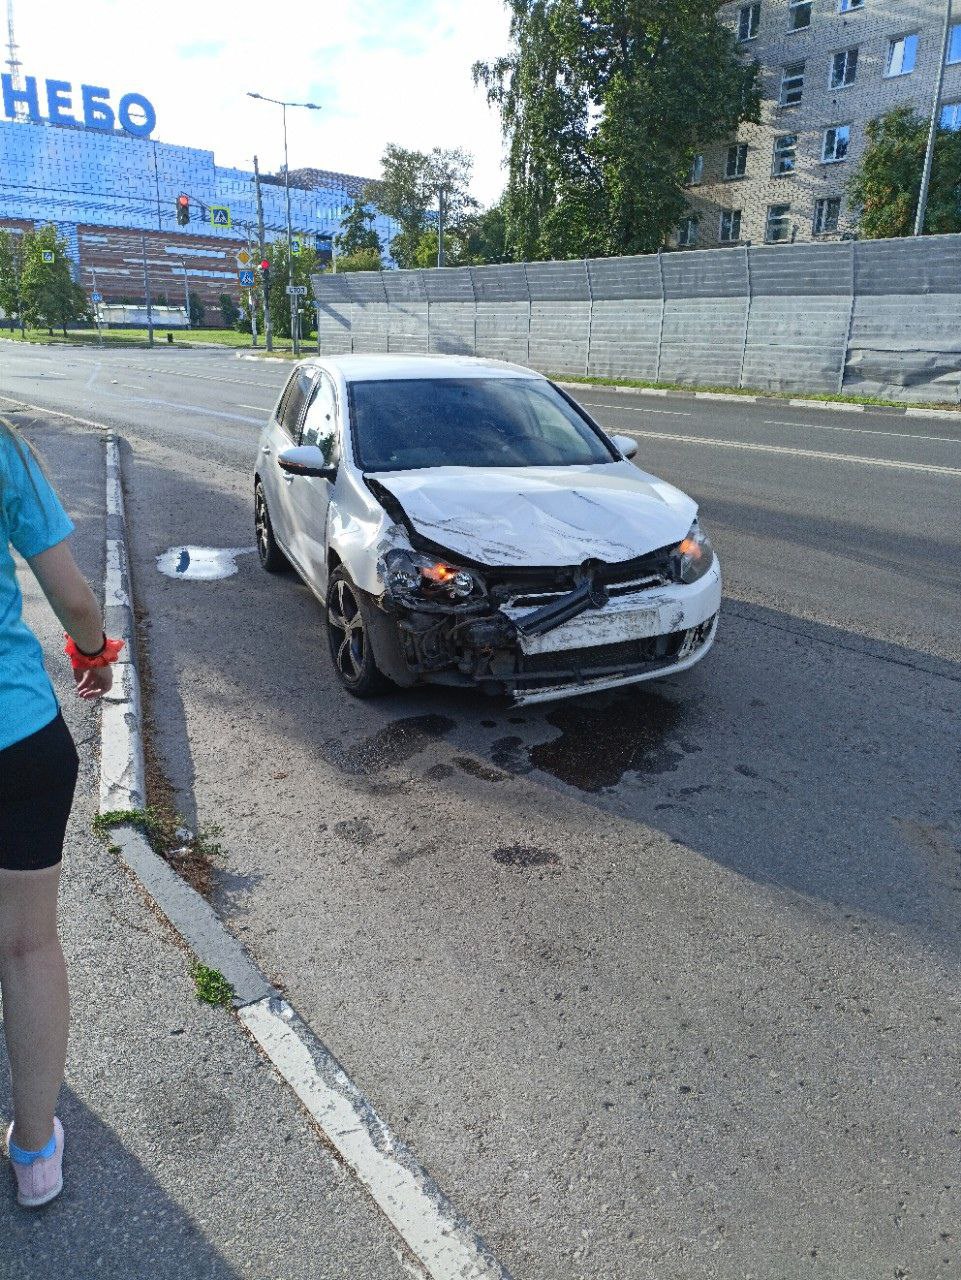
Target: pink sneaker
[(42, 1181)]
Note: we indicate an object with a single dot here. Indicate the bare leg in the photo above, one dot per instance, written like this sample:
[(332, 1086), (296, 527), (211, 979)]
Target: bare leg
[(33, 979)]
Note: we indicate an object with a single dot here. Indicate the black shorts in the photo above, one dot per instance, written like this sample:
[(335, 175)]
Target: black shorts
[(37, 780)]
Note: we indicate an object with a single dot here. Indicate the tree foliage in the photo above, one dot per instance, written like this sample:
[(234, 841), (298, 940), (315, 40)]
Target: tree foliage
[(603, 105), (50, 295), (360, 260), (197, 310), (407, 192), (11, 264), (305, 265), (229, 310), (357, 234), (887, 184)]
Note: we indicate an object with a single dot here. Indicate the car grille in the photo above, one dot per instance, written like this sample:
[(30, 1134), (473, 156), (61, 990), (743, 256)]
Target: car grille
[(595, 661)]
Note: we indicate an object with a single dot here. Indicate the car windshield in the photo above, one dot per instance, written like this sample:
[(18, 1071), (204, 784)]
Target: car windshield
[(407, 424)]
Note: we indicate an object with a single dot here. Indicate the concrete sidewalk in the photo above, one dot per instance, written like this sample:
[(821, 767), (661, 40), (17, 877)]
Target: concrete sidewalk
[(186, 1156)]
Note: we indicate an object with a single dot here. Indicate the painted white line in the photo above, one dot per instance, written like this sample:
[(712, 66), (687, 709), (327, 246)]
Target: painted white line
[(633, 408), (419, 1212), (827, 404), (55, 413), (785, 451), (725, 395), (861, 431), (264, 409), (933, 413)]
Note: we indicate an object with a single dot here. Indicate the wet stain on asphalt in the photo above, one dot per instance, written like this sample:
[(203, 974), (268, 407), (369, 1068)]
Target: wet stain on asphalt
[(523, 855), (394, 744), (357, 831), (438, 772), (477, 769), (488, 724), (511, 754), (600, 743)]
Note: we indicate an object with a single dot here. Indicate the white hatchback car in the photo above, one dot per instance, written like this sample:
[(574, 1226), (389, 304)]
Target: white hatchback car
[(464, 521)]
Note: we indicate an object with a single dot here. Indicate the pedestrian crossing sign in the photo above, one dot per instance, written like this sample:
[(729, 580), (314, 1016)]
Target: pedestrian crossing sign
[(295, 246), (220, 215)]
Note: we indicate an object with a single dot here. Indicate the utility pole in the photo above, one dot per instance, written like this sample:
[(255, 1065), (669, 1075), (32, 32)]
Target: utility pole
[(186, 292), (268, 327), (933, 127), (442, 209), (96, 308), (146, 289)]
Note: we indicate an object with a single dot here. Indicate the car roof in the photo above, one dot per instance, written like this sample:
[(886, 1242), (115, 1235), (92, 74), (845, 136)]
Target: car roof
[(378, 367)]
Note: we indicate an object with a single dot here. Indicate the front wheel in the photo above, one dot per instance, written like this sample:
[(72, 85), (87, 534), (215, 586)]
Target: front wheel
[(271, 557), (349, 638)]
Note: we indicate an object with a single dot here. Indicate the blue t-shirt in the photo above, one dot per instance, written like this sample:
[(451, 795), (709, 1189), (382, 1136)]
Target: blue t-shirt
[(31, 520)]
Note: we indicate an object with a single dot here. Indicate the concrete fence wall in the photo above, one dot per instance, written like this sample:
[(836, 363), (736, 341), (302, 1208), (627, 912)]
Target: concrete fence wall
[(879, 317)]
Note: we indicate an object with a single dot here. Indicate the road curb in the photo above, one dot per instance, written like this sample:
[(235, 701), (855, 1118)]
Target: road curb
[(433, 1232), (730, 397)]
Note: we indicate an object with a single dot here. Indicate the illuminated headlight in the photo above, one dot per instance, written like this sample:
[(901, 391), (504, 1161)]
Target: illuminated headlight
[(694, 556), (410, 572)]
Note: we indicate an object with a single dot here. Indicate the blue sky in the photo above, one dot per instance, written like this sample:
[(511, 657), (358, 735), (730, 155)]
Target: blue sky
[(383, 71)]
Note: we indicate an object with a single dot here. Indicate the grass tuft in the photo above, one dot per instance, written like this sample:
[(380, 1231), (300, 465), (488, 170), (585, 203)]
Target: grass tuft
[(210, 985)]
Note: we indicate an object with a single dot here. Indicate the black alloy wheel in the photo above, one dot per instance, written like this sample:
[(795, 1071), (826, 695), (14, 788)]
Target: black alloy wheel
[(271, 557), (347, 633)]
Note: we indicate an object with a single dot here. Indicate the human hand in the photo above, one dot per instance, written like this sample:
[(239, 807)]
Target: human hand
[(94, 682)]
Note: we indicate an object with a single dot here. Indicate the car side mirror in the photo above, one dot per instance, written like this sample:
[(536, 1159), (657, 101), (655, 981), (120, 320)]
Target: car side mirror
[(306, 460), (624, 445)]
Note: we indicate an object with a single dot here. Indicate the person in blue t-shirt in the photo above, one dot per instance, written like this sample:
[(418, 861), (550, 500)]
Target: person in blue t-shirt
[(38, 773)]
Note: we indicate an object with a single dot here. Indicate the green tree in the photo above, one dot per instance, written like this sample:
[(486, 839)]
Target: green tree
[(305, 265), (229, 311), (603, 105), (360, 260), (357, 234), (197, 310), (886, 186), (407, 191), (50, 294), (11, 254)]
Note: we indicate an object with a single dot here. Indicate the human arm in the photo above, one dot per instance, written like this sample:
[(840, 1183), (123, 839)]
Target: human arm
[(74, 604)]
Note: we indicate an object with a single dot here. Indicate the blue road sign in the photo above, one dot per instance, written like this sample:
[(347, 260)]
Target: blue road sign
[(96, 297), (246, 279)]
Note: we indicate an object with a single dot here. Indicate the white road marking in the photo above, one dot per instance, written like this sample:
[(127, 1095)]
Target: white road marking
[(426, 1221), (55, 413), (784, 450), (265, 409), (630, 408), (835, 406), (861, 431)]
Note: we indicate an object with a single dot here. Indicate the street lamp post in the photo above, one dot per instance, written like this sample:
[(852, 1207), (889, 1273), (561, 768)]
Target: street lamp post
[(933, 126), (294, 312)]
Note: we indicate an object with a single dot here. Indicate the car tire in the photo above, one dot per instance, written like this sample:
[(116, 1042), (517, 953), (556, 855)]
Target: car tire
[(271, 557), (349, 638)]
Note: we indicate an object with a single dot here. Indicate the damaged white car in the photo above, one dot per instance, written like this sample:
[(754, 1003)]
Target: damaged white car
[(465, 522)]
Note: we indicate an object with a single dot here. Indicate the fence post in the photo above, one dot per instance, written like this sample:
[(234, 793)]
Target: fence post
[(850, 329), (590, 319), (747, 312), (660, 327), (530, 309)]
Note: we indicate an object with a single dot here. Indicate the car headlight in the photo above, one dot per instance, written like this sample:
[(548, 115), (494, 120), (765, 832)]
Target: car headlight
[(694, 555), (411, 573)]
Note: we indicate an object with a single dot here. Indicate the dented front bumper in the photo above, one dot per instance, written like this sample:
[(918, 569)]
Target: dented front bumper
[(640, 632)]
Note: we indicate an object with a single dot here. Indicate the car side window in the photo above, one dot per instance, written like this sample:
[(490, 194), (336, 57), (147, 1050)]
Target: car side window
[(295, 397), (320, 423)]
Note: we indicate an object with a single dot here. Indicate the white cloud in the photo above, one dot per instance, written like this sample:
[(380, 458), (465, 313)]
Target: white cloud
[(393, 71)]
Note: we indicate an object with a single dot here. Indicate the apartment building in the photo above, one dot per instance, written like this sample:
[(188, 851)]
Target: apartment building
[(828, 67)]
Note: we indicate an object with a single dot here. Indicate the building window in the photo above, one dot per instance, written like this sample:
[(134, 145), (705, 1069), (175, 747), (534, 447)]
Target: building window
[(736, 164), (844, 67), (778, 223), (951, 116), (687, 233), (748, 21), (848, 6), (792, 84), (835, 144), (799, 15), (954, 44), (730, 226), (902, 53), (696, 172), (827, 215), (785, 154)]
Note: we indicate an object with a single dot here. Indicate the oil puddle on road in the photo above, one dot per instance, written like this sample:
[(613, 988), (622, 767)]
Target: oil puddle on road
[(522, 855), (394, 744), (202, 563), (600, 742)]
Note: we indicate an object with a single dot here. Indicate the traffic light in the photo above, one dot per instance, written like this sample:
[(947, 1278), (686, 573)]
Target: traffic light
[(265, 273), (183, 210)]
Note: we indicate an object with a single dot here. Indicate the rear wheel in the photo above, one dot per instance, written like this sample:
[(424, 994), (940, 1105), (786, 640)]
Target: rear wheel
[(271, 556), (349, 638)]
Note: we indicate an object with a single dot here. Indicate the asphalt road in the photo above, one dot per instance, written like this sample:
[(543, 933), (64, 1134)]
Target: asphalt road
[(661, 983)]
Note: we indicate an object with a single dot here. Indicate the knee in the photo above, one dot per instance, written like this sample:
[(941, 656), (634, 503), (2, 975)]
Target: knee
[(20, 944)]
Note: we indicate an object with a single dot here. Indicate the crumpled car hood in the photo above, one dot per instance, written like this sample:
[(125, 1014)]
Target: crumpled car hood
[(543, 516)]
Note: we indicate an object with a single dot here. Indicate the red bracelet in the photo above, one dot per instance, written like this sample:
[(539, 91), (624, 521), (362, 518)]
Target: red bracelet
[(80, 662)]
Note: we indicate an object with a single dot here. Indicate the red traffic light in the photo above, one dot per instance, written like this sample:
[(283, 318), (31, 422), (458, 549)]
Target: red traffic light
[(265, 265), (183, 201)]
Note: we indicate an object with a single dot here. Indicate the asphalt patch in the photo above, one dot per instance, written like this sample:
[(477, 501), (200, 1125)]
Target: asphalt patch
[(477, 769), (523, 855)]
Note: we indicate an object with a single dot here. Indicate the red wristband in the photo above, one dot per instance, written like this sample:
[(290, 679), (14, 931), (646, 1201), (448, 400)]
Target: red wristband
[(79, 662)]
